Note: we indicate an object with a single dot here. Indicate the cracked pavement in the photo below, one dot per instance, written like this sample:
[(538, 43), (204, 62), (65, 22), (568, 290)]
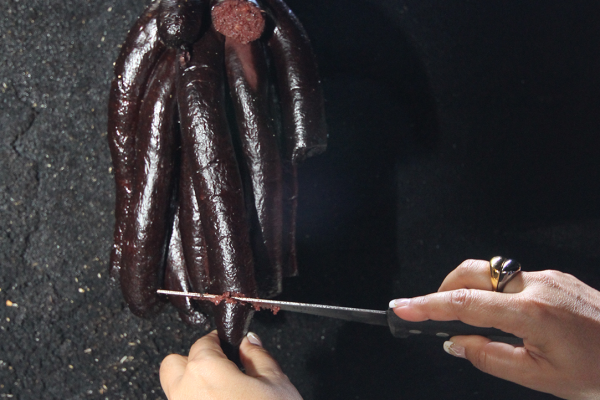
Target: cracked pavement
[(458, 130)]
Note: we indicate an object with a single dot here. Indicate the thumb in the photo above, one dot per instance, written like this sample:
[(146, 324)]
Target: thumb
[(256, 360), (502, 360)]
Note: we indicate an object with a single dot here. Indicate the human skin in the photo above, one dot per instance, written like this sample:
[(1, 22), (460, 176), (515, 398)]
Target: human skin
[(206, 373), (557, 316)]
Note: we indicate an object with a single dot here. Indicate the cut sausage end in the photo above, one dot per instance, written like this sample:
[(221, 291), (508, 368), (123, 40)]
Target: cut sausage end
[(241, 20), (302, 153)]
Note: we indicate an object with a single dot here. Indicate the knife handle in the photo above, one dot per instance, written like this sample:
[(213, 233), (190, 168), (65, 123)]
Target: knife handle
[(445, 329)]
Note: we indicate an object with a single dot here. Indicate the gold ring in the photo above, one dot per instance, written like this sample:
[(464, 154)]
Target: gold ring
[(502, 271)]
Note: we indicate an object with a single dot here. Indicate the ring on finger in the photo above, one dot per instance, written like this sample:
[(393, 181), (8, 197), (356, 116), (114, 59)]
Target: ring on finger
[(502, 270)]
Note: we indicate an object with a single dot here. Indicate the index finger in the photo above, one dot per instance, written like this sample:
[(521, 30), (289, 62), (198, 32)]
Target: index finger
[(471, 306)]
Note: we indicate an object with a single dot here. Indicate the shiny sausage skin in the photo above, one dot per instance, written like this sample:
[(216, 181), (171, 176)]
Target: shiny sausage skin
[(177, 279), (138, 56), (217, 182), (192, 233), (289, 187), (302, 104), (179, 21), (248, 84), (146, 234)]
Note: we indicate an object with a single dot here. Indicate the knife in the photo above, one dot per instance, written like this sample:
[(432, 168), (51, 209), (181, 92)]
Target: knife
[(399, 327)]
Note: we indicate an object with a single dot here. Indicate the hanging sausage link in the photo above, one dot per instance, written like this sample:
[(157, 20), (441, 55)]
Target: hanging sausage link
[(206, 201)]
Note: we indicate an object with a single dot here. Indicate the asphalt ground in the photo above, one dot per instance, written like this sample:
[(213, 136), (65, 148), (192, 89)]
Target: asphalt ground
[(457, 130)]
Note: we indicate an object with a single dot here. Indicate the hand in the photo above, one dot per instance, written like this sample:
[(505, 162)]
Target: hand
[(557, 316), (207, 373)]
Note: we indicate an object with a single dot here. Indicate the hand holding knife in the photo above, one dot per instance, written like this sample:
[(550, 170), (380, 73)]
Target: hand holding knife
[(556, 312), (399, 327)]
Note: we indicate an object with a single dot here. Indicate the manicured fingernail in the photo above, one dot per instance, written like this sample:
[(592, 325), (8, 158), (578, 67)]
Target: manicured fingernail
[(454, 350), (399, 303), (254, 339)]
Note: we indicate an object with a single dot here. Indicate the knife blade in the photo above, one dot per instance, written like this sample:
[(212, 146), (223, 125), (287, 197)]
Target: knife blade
[(398, 327)]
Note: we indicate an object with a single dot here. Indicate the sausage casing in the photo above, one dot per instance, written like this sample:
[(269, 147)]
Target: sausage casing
[(179, 21), (206, 137), (302, 104), (192, 233), (148, 224), (177, 279), (133, 68), (249, 86)]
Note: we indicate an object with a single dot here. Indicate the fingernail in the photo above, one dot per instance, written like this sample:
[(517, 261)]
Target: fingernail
[(399, 303), (454, 350), (254, 339)]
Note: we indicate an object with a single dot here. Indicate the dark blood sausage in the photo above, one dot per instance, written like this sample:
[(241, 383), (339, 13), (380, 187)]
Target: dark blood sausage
[(248, 84), (304, 128), (179, 21), (192, 234), (290, 206), (205, 133), (132, 69), (289, 189), (177, 279), (146, 234), (241, 20)]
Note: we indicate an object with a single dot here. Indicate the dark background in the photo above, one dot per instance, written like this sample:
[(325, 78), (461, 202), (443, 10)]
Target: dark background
[(458, 129)]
